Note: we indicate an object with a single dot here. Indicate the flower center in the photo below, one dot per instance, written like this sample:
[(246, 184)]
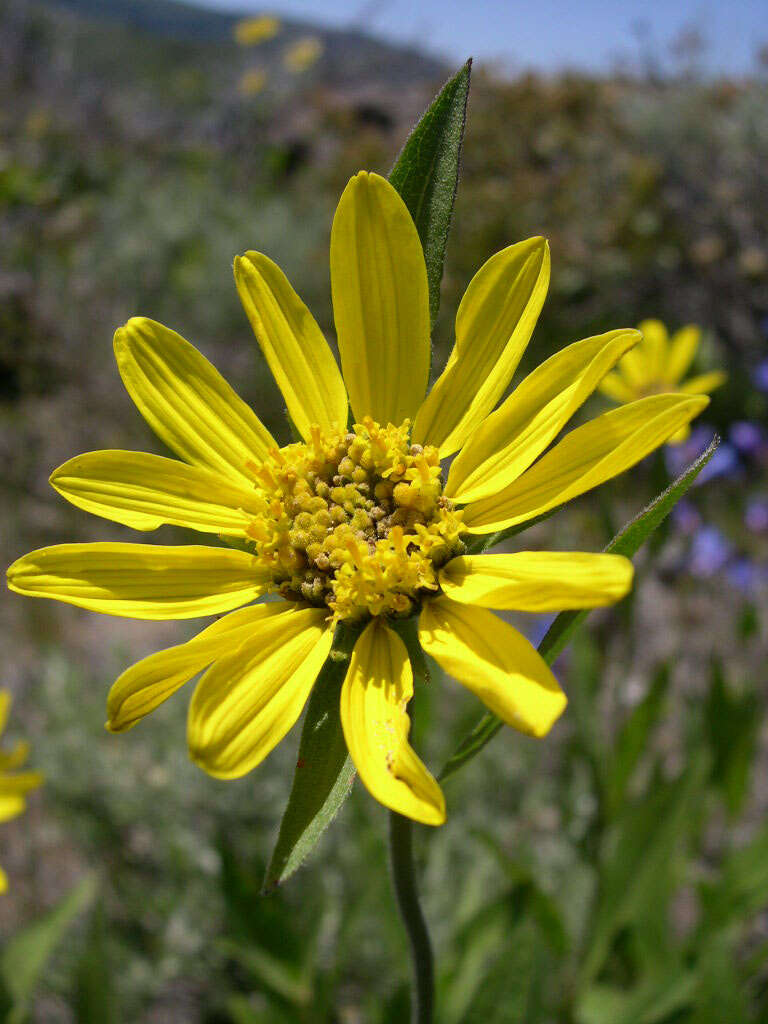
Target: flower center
[(355, 521)]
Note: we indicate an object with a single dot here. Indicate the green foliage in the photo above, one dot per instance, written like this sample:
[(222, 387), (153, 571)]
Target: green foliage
[(632, 740), (25, 956), (732, 722), (95, 997), (426, 174)]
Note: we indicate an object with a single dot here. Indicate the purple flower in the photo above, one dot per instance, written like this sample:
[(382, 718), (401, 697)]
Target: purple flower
[(760, 376), (710, 551), (686, 517), (536, 628), (746, 436), (756, 515), (679, 456), (725, 462), (743, 574)]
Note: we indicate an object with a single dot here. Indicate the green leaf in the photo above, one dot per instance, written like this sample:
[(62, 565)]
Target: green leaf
[(732, 721), (25, 956), (652, 1001), (324, 771), (721, 995), (741, 891), (95, 995), (638, 865), (633, 737), (287, 981), (426, 174), (627, 542)]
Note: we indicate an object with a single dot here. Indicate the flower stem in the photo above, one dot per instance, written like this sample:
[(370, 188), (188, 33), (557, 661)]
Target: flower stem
[(404, 881)]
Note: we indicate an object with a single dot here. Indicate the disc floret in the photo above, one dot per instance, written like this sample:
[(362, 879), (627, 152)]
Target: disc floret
[(356, 521)]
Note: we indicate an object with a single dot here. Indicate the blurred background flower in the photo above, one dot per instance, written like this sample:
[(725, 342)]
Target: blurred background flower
[(301, 55), (252, 31)]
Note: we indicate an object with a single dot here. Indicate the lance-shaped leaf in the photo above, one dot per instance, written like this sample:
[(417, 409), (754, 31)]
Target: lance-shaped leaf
[(26, 954), (627, 542), (427, 172), (324, 771)]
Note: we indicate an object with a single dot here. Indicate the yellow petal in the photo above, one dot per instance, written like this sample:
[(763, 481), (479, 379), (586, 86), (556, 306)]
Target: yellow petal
[(681, 436), (640, 369), (495, 320), (374, 716), (14, 786), (534, 414), (703, 384), (654, 347), (11, 759), (151, 681), (614, 386), (248, 700), (585, 458), (145, 491), (11, 807), (380, 301), (140, 581), (3, 881), (187, 402), (537, 581), (293, 345), (682, 352), (495, 662), (5, 708), (15, 758)]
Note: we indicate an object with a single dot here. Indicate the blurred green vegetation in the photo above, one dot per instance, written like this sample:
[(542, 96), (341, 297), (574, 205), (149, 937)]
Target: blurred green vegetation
[(613, 874)]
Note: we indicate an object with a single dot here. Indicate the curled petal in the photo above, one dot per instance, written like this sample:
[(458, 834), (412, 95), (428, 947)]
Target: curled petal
[(494, 322), (140, 581), (248, 700), (293, 345), (187, 402), (380, 301), (585, 458), (374, 716), (537, 581)]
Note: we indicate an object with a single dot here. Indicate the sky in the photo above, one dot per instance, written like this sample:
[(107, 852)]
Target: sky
[(545, 34)]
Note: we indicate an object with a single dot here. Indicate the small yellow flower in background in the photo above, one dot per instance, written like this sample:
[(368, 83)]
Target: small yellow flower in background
[(658, 365), (354, 524), (253, 82), (14, 785), (301, 55), (252, 31)]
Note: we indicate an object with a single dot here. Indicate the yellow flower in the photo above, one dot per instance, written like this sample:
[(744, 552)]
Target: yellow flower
[(14, 786), (353, 524), (253, 81), (301, 55), (657, 366), (252, 31)]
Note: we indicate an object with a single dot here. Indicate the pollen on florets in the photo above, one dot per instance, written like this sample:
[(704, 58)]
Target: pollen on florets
[(356, 521)]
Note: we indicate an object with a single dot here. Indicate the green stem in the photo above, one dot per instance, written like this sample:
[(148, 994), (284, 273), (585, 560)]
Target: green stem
[(404, 881)]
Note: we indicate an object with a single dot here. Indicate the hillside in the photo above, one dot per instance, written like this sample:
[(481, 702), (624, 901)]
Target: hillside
[(348, 56)]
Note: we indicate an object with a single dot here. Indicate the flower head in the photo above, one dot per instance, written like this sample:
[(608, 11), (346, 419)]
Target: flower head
[(14, 785), (658, 365), (253, 81), (303, 54), (252, 31), (356, 525)]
